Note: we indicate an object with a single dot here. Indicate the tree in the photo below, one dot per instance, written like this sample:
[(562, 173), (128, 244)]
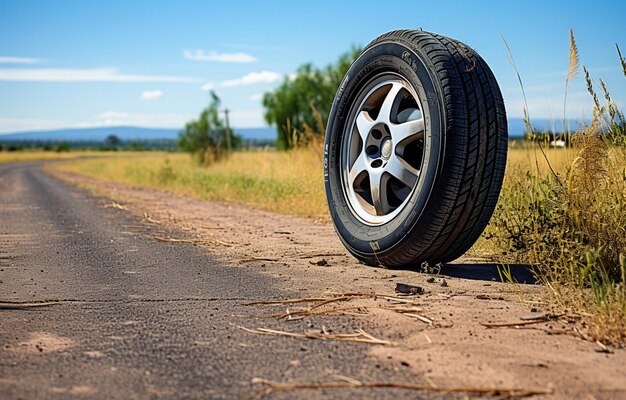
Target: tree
[(112, 141), (136, 145), (293, 106), (205, 137), (62, 147)]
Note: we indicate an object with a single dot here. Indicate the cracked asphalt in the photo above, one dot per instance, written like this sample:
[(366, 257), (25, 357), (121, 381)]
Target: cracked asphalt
[(130, 317)]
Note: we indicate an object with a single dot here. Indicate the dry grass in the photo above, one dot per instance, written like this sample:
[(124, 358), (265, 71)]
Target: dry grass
[(36, 155), (571, 227), (284, 182), (344, 382), (570, 224)]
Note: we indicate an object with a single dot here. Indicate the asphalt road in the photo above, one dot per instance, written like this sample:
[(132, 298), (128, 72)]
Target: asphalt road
[(136, 318)]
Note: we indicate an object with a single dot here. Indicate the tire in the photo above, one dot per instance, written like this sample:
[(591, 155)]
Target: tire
[(415, 150)]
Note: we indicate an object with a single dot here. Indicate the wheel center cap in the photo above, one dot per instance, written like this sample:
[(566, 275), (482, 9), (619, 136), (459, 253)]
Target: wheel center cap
[(385, 149)]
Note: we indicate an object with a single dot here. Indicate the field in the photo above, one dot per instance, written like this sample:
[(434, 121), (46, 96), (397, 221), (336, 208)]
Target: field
[(35, 155), (285, 182)]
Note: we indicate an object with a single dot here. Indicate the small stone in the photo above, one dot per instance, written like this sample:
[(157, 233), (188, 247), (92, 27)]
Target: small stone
[(409, 289)]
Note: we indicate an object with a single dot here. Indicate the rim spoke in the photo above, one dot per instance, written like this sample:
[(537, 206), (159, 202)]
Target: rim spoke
[(385, 110), (375, 173), (359, 166), (378, 185), (402, 171), (410, 129), (363, 124)]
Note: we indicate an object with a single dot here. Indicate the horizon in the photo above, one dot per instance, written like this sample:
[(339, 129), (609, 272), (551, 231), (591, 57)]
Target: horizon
[(67, 65), (516, 128)]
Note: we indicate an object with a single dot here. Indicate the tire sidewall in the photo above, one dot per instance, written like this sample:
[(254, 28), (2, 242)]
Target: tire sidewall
[(383, 57)]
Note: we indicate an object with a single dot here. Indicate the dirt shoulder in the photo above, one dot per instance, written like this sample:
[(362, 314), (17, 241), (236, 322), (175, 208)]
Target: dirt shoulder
[(443, 341)]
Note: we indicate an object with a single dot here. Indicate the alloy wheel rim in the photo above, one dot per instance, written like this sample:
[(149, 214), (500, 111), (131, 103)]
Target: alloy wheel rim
[(383, 150)]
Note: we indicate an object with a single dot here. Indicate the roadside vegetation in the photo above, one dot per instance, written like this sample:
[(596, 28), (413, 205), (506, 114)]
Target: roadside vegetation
[(561, 210), (38, 154), (209, 138), (284, 182), (568, 219)]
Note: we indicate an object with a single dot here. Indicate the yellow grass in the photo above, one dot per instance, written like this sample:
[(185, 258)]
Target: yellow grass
[(284, 182), (35, 155)]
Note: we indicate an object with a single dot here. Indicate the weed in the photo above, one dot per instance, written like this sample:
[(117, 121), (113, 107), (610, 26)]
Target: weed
[(569, 223)]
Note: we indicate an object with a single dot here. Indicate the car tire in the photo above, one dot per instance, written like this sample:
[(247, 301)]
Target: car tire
[(415, 150)]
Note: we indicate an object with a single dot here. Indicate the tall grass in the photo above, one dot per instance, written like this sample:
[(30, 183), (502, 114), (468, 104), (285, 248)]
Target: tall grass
[(570, 223)]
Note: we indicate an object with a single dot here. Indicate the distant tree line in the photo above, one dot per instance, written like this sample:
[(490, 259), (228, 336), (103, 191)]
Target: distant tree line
[(97, 145)]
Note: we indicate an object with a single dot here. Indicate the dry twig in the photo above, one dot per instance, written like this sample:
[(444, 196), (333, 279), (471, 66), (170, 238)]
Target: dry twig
[(174, 240), (113, 204), (335, 297), (349, 383), (306, 312), (360, 336), (147, 218), (513, 324), (252, 259), (409, 312), (304, 256), (288, 301)]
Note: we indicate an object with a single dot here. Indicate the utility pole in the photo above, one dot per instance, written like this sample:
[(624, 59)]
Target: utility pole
[(228, 144)]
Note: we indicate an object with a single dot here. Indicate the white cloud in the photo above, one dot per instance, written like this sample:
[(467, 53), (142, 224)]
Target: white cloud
[(256, 97), (153, 120), (117, 118), (19, 60), (151, 95), (200, 55), (253, 78), (83, 75)]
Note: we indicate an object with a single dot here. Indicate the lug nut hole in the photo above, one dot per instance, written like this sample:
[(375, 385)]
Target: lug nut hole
[(371, 150), (377, 163), (376, 134)]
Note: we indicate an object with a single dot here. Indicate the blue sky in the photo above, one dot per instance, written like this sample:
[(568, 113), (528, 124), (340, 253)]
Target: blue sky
[(145, 63)]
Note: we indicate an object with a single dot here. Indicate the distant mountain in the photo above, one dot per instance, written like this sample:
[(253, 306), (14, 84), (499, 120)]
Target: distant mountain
[(128, 133), (517, 126), (266, 133), (92, 134)]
